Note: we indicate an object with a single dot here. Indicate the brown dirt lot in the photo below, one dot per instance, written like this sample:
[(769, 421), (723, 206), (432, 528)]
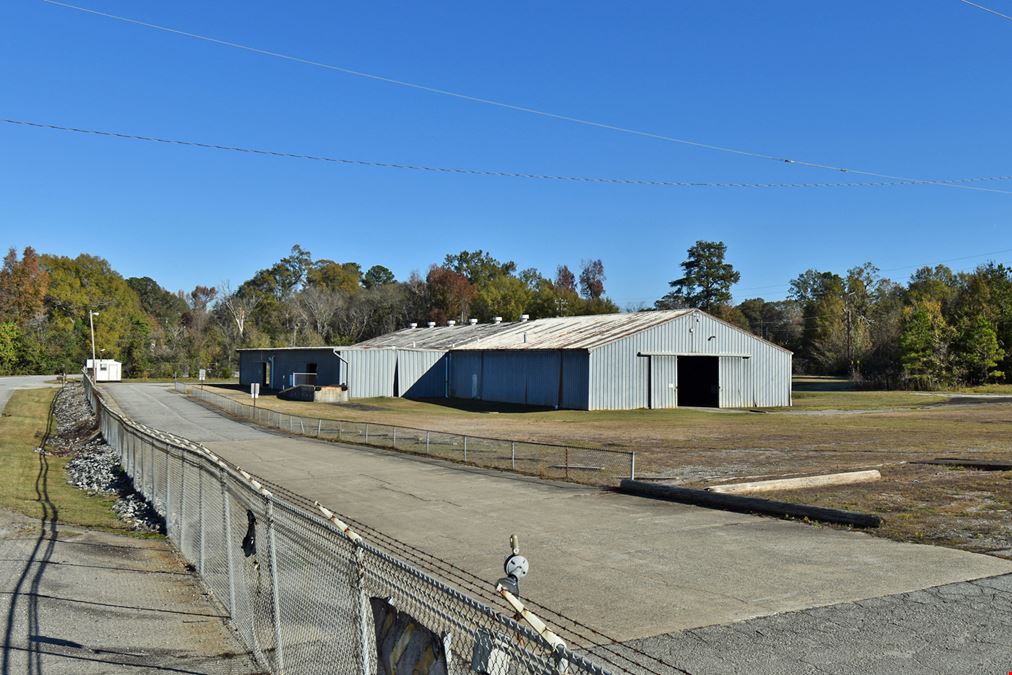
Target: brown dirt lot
[(826, 431)]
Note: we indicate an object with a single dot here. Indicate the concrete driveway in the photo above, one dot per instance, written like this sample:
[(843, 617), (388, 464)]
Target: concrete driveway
[(628, 566)]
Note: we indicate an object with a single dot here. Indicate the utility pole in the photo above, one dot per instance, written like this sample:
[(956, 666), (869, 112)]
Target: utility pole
[(94, 363)]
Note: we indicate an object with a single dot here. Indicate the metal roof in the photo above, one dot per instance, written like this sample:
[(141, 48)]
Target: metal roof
[(569, 332), (439, 337)]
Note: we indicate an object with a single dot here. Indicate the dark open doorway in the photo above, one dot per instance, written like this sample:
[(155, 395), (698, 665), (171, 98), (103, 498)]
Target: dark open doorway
[(699, 381)]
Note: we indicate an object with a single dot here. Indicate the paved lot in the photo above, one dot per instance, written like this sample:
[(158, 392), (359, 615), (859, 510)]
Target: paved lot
[(957, 628), (80, 601), (631, 567), (9, 385)]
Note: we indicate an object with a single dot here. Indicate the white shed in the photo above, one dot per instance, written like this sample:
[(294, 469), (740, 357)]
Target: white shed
[(109, 370)]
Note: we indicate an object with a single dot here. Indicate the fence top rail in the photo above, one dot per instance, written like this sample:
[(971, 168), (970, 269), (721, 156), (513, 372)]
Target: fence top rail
[(329, 520), (188, 388)]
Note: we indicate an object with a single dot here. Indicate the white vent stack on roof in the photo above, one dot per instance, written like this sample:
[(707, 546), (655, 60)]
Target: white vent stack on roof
[(473, 322), (525, 317), (496, 320), (432, 324), (451, 322)]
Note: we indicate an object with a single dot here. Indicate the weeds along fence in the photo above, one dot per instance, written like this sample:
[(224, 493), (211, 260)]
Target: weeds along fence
[(593, 466), (304, 592)]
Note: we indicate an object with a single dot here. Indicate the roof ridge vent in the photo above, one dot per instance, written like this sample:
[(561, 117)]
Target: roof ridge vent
[(524, 318), (472, 321), (432, 324), (497, 319), (451, 322), (412, 325)]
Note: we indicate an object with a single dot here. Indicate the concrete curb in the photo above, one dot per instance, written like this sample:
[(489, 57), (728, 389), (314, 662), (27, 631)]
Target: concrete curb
[(740, 504)]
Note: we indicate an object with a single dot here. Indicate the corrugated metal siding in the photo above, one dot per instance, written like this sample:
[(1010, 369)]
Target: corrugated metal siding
[(619, 378), (421, 373), (530, 378), (576, 379), (522, 377), (370, 372), (288, 361), (663, 381), (465, 374)]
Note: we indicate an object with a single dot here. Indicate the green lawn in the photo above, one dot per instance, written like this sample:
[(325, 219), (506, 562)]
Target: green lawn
[(25, 483)]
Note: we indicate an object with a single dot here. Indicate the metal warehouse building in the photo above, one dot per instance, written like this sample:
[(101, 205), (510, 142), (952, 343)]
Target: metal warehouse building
[(605, 362)]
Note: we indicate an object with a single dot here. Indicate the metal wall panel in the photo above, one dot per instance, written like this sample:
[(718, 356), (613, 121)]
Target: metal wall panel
[(465, 374), (369, 372), (422, 373), (619, 377), (527, 377), (663, 381), (575, 379)]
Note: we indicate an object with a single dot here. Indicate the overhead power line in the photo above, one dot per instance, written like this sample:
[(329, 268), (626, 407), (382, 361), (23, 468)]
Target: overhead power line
[(987, 9), (506, 105), (501, 174)]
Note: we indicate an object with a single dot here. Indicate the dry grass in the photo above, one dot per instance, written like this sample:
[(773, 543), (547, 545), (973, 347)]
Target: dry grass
[(827, 431)]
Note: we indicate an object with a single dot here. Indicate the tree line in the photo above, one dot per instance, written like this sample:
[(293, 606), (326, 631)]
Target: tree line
[(299, 300), (939, 329)]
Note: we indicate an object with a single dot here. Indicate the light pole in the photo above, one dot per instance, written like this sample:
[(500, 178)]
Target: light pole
[(94, 363)]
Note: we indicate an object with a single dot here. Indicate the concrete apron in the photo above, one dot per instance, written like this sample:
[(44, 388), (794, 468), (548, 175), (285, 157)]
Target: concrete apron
[(628, 566)]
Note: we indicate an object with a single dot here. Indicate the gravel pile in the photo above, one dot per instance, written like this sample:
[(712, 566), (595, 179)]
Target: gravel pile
[(75, 423), (94, 465), (95, 468)]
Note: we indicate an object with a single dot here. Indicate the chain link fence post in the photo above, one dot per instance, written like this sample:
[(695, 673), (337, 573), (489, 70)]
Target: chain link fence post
[(200, 520), (226, 519), (362, 601), (279, 654)]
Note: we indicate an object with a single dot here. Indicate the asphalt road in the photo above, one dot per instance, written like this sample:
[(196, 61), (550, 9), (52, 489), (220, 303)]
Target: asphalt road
[(9, 385), (631, 567)]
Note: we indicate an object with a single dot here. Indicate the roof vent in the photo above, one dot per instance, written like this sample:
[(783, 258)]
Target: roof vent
[(432, 324), (472, 321), (412, 325), (451, 322), (496, 319), (524, 317)]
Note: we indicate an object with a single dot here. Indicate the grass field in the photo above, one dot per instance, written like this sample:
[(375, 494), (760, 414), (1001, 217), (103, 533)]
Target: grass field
[(25, 482), (831, 428)]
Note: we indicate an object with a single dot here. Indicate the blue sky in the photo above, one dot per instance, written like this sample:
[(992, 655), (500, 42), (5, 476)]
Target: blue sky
[(902, 88)]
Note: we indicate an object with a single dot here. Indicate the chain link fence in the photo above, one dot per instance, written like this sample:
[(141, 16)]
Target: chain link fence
[(594, 466), (306, 593)]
